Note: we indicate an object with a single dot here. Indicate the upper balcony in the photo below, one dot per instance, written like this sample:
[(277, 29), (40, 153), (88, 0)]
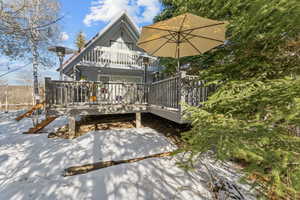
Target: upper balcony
[(117, 58)]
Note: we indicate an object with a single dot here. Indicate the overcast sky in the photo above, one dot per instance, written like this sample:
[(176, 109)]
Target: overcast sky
[(89, 16)]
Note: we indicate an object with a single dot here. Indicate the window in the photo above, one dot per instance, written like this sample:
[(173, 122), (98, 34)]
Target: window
[(121, 45), (103, 79), (126, 79), (131, 79)]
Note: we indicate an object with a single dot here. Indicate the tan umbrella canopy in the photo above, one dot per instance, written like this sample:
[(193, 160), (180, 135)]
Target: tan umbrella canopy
[(184, 35)]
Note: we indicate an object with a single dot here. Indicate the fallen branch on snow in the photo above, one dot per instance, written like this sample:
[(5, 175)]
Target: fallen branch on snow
[(71, 171)]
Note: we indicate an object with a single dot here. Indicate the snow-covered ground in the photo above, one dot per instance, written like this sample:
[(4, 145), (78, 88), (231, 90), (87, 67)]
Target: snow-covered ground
[(31, 166)]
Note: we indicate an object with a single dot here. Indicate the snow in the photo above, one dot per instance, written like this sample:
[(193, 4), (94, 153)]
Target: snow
[(31, 166)]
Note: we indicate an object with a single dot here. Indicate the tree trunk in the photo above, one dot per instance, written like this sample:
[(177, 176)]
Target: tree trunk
[(35, 74)]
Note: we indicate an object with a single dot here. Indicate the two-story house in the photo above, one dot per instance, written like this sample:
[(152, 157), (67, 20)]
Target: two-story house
[(112, 55)]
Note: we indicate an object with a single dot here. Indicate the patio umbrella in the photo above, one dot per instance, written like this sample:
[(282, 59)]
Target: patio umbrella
[(184, 35)]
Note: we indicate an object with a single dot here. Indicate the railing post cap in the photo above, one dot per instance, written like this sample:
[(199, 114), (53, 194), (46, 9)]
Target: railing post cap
[(182, 74)]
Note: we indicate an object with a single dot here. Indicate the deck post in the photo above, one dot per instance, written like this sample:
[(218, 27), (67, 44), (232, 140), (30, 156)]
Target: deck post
[(72, 126), (47, 91), (181, 92), (138, 119)]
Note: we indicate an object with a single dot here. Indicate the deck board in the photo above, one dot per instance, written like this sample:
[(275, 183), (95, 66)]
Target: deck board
[(167, 113)]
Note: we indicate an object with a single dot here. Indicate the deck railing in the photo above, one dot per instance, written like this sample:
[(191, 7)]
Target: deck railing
[(110, 57), (194, 91), (179, 89), (168, 93), (70, 93), (165, 93)]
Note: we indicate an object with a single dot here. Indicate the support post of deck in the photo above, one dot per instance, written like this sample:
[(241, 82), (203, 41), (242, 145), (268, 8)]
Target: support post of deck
[(181, 92), (72, 126), (138, 119), (48, 91)]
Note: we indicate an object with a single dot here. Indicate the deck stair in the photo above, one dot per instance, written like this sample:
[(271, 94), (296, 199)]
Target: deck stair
[(40, 125), (29, 112)]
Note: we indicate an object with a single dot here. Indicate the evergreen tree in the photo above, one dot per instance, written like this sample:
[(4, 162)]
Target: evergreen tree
[(80, 40), (254, 114)]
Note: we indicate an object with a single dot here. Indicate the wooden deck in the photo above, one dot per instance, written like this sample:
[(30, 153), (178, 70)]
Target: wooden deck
[(163, 98)]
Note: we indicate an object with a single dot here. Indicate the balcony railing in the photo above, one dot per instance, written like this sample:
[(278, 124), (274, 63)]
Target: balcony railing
[(116, 58)]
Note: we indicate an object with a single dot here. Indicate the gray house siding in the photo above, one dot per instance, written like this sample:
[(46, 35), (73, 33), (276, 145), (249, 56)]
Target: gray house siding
[(122, 30), (119, 30)]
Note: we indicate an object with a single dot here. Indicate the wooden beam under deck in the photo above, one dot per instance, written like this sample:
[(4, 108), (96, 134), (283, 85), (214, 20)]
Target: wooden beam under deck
[(167, 113), (170, 114)]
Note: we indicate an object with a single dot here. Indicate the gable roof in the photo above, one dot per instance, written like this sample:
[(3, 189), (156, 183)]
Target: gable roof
[(76, 55)]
